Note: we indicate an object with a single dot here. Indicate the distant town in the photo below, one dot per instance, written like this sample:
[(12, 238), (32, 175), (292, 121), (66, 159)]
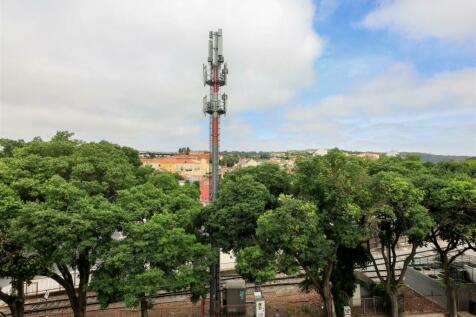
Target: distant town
[(193, 166)]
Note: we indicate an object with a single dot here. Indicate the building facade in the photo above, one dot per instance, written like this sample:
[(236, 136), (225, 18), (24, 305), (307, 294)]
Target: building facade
[(193, 167)]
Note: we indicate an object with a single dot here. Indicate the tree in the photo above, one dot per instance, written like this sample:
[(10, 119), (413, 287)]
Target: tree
[(408, 166), (274, 178), (160, 250), (334, 188), (245, 194), (338, 186), (184, 150), (451, 202), (232, 217), (396, 213), (293, 240), (155, 255), (343, 278), (15, 264), (166, 181), (229, 160), (264, 155), (7, 146), (68, 190), (456, 168), (71, 231), (255, 265), (21, 173), (67, 199)]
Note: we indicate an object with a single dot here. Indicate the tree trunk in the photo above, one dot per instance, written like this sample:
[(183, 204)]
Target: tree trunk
[(17, 301), (84, 269), (77, 297), (80, 309), (452, 302), (450, 289), (17, 309), (73, 299), (78, 312), (79, 306), (393, 300), (144, 308), (328, 300), (20, 299)]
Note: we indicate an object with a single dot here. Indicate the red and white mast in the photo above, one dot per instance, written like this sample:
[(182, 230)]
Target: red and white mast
[(215, 76)]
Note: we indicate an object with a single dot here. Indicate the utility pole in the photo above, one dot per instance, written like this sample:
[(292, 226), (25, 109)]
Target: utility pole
[(215, 76)]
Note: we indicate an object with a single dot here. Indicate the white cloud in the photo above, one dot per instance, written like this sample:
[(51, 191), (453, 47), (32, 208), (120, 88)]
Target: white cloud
[(394, 110), (418, 19), (399, 90), (130, 71)]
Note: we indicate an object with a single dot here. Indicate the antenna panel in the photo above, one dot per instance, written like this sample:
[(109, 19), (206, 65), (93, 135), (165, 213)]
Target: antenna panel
[(205, 75)]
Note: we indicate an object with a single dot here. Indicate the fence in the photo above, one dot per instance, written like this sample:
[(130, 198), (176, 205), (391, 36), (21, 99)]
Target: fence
[(246, 310), (463, 269), (372, 306)]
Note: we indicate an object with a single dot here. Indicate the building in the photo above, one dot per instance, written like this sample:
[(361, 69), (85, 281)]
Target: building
[(320, 152), (193, 167), (242, 163), (287, 164), (368, 155)]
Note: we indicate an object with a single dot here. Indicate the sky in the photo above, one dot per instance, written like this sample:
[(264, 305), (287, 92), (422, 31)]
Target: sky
[(365, 75)]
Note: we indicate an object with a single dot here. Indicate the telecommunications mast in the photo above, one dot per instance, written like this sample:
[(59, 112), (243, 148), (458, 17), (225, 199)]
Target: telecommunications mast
[(215, 76)]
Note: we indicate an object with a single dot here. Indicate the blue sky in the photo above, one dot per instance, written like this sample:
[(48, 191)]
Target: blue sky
[(346, 40), (376, 75), (353, 54)]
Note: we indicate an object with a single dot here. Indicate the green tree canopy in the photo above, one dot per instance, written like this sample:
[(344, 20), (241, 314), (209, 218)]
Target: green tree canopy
[(232, 217), (229, 160), (291, 239), (153, 256), (306, 232), (396, 213), (15, 263), (450, 197), (274, 178), (75, 196)]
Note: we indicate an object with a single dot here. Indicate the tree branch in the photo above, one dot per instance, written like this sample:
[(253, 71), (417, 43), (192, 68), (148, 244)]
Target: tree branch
[(394, 253), (387, 266), (328, 270), (5, 297), (434, 240), (317, 283), (471, 243), (375, 264), (68, 287), (66, 273), (405, 264), (460, 252), (58, 279)]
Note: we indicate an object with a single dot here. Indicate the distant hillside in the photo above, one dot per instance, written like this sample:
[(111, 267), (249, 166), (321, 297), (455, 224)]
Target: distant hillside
[(426, 157)]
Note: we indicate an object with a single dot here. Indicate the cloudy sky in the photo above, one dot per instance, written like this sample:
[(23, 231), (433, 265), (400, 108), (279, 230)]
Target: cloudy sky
[(355, 74)]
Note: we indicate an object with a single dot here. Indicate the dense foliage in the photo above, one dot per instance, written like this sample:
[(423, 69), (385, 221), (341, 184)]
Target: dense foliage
[(340, 202), (66, 200), (70, 209)]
